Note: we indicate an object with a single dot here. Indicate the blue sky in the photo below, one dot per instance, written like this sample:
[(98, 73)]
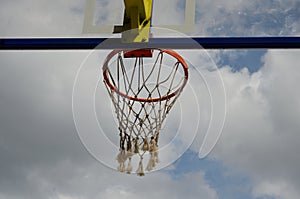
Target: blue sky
[(228, 184), (250, 59), (255, 158)]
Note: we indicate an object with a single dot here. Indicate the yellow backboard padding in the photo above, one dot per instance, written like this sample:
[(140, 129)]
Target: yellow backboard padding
[(137, 21)]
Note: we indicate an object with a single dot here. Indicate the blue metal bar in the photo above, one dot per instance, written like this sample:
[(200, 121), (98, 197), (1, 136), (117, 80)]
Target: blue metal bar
[(169, 43)]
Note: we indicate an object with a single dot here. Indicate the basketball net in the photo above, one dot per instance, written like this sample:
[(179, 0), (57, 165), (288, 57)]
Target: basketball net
[(143, 91)]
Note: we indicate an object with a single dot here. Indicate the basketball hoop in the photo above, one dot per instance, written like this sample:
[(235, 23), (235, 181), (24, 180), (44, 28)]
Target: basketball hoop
[(143, 86)]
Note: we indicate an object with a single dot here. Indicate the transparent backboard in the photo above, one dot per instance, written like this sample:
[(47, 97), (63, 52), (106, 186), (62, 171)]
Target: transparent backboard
[(90, 18)]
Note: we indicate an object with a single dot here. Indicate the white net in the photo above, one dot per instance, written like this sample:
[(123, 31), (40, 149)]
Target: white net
[(143, 91)]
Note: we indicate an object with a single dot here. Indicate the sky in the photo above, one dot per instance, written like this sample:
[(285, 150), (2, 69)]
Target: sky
[(45, 150)]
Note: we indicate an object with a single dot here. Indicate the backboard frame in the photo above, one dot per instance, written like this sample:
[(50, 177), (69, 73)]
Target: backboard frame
[(166, 43), (90, 28)]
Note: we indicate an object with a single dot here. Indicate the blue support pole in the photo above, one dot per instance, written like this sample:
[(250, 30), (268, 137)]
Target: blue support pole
[(167, 43)]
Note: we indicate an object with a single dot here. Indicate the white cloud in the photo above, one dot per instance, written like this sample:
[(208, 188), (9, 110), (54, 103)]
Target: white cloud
[(247, 18), (66, 180), (276, 189), (261, 134), (160, 185), (43, 18)]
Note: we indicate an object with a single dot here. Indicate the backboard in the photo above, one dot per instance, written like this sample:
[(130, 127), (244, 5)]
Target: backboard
[(88, 18), (182, 20), (96, 18)]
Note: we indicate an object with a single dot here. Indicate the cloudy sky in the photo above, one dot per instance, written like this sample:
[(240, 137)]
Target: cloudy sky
[(42, 156)]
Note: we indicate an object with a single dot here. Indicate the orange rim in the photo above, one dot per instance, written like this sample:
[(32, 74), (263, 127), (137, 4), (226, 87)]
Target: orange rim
[(166, 97)]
